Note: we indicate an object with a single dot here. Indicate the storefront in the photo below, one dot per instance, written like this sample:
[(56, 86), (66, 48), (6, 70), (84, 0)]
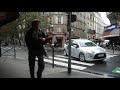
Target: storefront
[(113, 36)]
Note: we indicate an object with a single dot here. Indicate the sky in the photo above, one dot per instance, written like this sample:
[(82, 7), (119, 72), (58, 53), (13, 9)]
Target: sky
[(104, 17)]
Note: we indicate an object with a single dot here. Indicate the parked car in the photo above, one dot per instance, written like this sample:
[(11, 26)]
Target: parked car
[(85, 50), (105, 43)]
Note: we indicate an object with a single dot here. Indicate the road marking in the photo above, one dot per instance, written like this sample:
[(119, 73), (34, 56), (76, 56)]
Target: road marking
[(110, 56), (116, 70), (61, 56), (72, 61), (65, 64)]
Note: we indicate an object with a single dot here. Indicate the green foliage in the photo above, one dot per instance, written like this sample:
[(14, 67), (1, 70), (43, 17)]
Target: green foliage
[(27, 17), (22, 24), (8, 29)]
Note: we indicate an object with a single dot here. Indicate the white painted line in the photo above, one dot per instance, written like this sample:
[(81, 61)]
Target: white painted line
[(65, 64), (109, 56), (73, 61), (61, 56)]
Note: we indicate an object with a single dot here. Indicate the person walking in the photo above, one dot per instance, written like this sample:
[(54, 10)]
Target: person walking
[(35, 39)]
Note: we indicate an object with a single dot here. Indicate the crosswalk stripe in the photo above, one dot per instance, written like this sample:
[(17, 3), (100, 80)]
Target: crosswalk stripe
[(110, 56), (65, 64), (72, 61), (61, 56)]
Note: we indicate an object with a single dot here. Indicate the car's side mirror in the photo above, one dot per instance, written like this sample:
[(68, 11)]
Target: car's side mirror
[(75, 45)]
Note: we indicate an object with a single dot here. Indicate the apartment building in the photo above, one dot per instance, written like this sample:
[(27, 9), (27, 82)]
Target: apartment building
[(114, 17), (85, 20), (113, 34)]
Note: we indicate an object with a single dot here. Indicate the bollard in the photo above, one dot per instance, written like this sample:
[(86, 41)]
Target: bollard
[(113, 48), (0, 48), (52, 47), (53, 56)]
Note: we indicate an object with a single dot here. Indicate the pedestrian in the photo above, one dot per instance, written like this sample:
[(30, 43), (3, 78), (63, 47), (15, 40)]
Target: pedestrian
[(35, 39)]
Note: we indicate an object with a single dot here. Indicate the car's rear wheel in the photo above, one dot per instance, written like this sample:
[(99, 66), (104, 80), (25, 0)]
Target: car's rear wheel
[(65, 52), (82, 57)]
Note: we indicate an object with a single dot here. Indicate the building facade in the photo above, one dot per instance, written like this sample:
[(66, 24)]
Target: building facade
[(114, 17), (85, 21), (113, 33)]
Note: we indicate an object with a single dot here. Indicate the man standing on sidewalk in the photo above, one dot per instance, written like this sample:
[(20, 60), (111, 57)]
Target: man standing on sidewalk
[(35, 39)]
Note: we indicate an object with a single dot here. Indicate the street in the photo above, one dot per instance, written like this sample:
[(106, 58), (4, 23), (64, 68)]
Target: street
[(105, 67)]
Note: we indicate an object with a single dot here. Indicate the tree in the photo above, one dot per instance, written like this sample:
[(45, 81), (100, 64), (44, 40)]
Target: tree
[(25, 21), (7, 31), (18, 28)]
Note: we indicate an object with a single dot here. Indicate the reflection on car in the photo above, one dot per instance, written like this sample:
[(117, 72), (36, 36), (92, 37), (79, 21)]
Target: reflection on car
[(85, 50)]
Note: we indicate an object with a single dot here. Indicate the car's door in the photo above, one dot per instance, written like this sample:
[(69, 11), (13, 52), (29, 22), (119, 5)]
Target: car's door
[(74, 49)]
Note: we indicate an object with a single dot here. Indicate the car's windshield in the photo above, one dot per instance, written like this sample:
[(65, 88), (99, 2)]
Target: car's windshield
[(86, 44)]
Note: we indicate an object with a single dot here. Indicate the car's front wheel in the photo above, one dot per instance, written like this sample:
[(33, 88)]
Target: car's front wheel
[(65, 52), (82, 57)]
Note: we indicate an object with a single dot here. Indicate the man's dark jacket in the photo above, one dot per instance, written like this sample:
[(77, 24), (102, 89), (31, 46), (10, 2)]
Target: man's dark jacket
[(35, 46)]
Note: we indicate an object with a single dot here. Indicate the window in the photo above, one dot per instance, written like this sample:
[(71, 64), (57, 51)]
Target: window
[(56, 19), (55, 12), (60, 20), (67, 42), (86, 44), (74, 43), (59, 29)]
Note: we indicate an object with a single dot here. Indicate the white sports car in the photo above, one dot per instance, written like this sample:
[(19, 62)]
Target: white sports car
[(85, 50)]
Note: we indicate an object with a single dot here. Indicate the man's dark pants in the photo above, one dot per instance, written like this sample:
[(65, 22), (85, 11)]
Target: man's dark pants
[(41, 64)]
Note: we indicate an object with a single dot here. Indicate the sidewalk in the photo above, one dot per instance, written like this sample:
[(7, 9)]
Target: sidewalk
[(18, 68), (116, 52)]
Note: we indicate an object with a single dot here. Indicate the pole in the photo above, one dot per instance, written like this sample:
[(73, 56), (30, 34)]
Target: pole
[(53, 56), (0, 48), (14, 48), (14, 43), (69, 46), (113, 48)]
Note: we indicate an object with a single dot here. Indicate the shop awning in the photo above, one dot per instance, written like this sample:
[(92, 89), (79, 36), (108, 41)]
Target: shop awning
[(111, 33), (115, 32), (106, 33)]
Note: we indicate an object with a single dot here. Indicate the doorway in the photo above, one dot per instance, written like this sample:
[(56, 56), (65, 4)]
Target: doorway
[(59, 41)]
